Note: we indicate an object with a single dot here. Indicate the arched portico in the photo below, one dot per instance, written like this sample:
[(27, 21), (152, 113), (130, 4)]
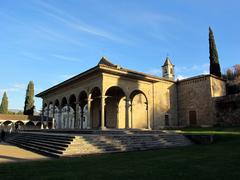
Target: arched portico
[(115, 108), (72, 111), (95, 110), (139, 110), (83, 110), (57, 114), (64, 112)]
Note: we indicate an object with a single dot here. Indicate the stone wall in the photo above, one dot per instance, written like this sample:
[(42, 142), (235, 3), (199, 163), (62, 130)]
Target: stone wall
[(228, 110), (165, 104), (196, 95)]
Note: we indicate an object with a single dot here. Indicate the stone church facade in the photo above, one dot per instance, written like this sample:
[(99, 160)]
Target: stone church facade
[(109, 96)]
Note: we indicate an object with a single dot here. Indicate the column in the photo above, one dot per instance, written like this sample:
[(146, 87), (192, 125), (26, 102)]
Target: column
[(53, 123), (47, 118), (53, 117), (127, 113), (148, 118), (89, 125), (42, 118), (103, 112), (60, 118), (77, 122), (67, 123)]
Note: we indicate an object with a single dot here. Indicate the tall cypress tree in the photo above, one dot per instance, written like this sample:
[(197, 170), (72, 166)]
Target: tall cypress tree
[(4, 104), (29, 101), (214, 61)]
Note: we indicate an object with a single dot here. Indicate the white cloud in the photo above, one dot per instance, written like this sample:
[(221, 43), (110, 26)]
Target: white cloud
[(76, 24), (183, 72), (199, 68), (55, 35), (180, 77), (13, 88)]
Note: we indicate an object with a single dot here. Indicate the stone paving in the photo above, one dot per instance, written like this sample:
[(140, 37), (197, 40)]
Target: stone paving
[(10, 153)]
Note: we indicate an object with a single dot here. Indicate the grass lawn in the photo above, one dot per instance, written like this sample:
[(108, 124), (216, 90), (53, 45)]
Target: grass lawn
[(220, 160)]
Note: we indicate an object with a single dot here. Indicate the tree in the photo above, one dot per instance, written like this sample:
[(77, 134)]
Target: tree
[(229, 74), (29, 101), (214, 61), (4, 104), (236, 68)]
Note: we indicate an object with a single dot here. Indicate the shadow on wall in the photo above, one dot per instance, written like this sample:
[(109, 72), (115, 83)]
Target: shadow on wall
[(228, 110)]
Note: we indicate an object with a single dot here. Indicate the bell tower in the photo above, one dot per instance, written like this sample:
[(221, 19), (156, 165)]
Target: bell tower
[(168, 69)]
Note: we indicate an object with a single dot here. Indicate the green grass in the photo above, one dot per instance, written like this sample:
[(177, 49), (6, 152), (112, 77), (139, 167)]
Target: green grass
[(220, 160), (213, 130)]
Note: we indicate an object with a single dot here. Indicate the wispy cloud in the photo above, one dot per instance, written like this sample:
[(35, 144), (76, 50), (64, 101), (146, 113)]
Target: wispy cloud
[(60, 78), (11, 18), (180, 77), (56, 35), (77, 25), (203, 68), (66, 58), (183, 72), (13, 88), (32, 56)]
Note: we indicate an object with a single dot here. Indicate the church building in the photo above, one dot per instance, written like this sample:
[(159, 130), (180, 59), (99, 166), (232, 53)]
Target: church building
[(109, 96)]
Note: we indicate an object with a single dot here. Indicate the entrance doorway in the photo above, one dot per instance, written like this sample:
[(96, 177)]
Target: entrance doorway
[(192, 118)]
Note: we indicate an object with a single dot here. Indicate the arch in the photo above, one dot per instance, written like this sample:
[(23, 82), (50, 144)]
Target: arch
[(64, 102), (82, 98), (6, 123), (72, 111), (72, 101), (83, 109), (20, 124), (56, 103), (30, 125), (139, 109), (38, 125), (45, 105), (115, 108), (95, 95), (67, 116), (50, 110)]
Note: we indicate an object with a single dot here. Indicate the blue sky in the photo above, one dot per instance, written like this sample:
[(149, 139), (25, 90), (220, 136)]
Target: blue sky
[(48, 41)]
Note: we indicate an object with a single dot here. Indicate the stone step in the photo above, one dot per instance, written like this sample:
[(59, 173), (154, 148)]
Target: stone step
[(48, 141), (42, 147), (69, 145), (57, 137), (37, 142), (34, 149)]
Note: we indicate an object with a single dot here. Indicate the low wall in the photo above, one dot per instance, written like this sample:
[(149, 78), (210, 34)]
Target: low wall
[(19, 117)]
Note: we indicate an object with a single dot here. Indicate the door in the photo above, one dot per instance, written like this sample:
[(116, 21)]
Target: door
[(192, 118)]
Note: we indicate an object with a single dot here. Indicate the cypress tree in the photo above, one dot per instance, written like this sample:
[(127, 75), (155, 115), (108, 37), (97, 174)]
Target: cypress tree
[(29, 101), (4, 104), (214, 61)]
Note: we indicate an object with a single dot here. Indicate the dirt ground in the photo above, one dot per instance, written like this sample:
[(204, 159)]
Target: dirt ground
[(10, 153)]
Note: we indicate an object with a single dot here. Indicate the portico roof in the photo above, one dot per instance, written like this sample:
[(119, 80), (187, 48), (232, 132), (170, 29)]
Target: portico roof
[(105, 65)]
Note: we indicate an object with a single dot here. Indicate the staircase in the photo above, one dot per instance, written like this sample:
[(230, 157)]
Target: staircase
[(57, 145), (45, 144)]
